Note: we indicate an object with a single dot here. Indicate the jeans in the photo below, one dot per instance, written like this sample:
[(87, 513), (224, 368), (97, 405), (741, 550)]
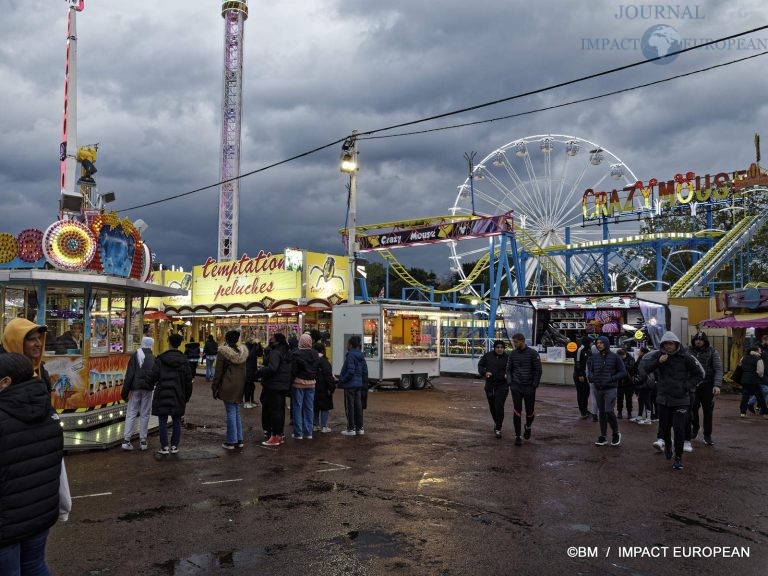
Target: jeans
[(234, 423), (321, 418), (139, 402), (303, 410), (163, 429), (606, 400), (353, 406), (753, 400), (25, 558), (209, 368)]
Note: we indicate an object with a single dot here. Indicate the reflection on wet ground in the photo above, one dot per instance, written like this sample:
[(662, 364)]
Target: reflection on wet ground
[(344, 552)]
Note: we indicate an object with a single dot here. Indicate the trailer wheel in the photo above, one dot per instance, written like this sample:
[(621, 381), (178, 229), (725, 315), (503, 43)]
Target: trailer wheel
[(405, 382), (419, 381)]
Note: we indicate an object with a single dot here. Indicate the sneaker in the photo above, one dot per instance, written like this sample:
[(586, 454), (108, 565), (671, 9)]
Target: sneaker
[(678, 465), (518, 441), (307, 437), (687, 447), (743, 415), (143, 444), (127, 446), (174, 450), (636, 419), (297, 436), (316, 429), (584, 416), (601, 441), (360, 432), (163, 451), (249, 405), (708, 441), (616, 439), (325, 430), (240, 443), (645, 422), (497, 433), (527, 432), (273, 441), (659, 444), (348, 432), (228, 446), (281, 437)]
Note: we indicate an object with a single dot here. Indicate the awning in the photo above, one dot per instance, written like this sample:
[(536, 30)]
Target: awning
[(756, 320), (156, 315)]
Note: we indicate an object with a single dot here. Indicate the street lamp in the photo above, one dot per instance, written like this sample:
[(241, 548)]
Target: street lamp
[(349, 166)]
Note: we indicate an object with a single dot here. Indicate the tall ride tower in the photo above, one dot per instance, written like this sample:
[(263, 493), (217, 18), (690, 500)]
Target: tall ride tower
[(235, 13)]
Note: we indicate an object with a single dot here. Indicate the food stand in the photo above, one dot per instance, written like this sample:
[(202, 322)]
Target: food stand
[(400, 342)]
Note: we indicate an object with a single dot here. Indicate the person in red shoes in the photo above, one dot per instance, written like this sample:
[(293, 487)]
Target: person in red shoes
[(275, 377)]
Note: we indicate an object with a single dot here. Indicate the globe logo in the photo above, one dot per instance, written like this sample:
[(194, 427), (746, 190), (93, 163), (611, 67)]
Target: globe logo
[(660, 40)]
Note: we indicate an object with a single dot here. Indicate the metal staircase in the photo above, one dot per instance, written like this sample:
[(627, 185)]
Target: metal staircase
[(705, 269)]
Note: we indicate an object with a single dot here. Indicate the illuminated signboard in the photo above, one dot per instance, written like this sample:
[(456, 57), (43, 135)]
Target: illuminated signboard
[(642, 199)]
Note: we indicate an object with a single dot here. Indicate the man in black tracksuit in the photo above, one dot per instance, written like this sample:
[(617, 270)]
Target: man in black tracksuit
[(678, 373), (580, 376), (704, 395), (605, 369), (493, 367), (524, 375)]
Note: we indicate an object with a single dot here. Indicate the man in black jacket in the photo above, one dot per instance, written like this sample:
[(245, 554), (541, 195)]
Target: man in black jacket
[(678, 373), (172, 381), (709, 388), (605, 369), (524, 374), (493, 367), (31, 450), (580, 376)]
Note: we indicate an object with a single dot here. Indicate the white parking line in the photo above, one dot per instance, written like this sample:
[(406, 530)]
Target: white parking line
[(92, 495), (223, 481)]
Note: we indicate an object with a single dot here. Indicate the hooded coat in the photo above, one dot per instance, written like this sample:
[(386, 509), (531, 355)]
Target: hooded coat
[(709, 358), (229, 377), (172, 380), (604, 368), (31, 449), (676, 377), (13, 341)]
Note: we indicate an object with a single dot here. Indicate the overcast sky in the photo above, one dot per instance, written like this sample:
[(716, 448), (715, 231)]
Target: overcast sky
[(150, 76)]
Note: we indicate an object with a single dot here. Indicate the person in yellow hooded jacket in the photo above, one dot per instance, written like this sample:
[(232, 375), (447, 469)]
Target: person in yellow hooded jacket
[(25, 337)]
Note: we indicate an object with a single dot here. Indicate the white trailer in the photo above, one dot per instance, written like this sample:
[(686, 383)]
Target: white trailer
[(401, 342)]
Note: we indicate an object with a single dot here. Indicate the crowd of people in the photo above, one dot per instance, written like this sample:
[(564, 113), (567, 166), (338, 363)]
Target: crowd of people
[(295, 369), (673, 387)]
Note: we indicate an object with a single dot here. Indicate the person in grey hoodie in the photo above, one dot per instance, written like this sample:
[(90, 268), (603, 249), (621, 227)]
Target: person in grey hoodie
[(137, 392), (228, 385), (605, 370), (678, 373)]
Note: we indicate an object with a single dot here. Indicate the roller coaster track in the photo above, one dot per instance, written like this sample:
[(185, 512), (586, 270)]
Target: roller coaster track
[(402, 273), (706, 268)]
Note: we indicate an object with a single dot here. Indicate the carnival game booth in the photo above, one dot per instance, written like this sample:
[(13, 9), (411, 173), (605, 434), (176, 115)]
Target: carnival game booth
[(401, 342), (85, 281), (555, 325), (289, 292)]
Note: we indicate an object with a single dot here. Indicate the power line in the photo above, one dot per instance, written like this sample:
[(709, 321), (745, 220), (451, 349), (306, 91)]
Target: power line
[(564, 104), (369, 133)]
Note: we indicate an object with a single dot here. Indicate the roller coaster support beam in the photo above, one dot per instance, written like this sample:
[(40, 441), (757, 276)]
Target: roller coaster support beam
[(497, 273)]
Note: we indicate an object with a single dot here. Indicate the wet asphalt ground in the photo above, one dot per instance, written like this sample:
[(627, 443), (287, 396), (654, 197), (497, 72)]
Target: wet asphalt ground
[(427, 491)]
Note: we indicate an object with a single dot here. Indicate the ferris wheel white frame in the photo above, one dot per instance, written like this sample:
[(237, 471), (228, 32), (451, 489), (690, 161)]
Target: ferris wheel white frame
[(543, 202)]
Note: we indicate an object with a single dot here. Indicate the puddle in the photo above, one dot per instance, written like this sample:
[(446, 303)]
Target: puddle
[(366, 544), (199, 564), (149, 513)]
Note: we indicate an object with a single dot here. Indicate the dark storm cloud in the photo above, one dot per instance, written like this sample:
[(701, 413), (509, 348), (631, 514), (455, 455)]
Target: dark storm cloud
[(150, 91)]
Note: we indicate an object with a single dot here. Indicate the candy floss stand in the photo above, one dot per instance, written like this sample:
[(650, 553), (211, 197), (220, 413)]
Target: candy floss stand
[(86, 281)]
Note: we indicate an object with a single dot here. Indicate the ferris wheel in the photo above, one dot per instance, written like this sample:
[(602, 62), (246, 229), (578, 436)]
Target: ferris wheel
[(542, 180)]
